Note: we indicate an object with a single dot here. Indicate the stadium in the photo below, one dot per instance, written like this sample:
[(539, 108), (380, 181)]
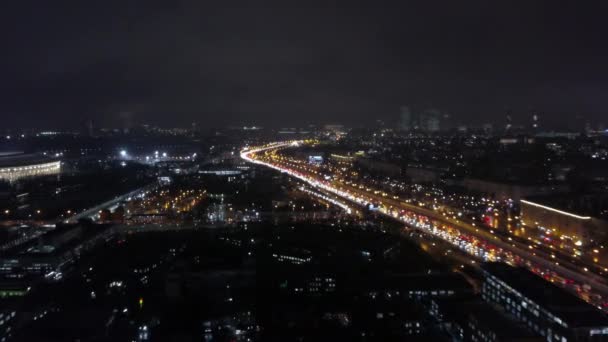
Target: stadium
[(17, 165)]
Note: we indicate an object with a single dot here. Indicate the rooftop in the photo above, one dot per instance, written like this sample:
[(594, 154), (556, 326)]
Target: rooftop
[(504, 326), (578, 205), (22, 159), (571, 309)]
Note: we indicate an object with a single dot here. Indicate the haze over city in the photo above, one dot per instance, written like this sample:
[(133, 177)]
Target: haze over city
[(282, 64)]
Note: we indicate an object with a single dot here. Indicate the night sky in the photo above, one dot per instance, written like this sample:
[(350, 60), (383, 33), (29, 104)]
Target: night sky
[(282, 63)]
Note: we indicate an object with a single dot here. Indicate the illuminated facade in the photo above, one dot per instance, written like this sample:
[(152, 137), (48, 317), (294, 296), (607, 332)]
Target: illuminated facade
[(560, 224), (544, 308), (13, 173)]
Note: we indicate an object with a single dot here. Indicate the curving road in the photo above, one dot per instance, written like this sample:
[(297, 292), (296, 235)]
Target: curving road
[(392, 207)]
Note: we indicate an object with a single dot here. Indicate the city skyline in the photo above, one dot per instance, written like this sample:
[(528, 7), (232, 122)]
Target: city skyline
[(283, 65)]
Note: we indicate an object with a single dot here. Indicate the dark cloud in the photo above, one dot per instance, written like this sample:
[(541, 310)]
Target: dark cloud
[(287, 62)]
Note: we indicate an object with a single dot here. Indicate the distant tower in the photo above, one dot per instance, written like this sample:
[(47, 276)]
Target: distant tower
[(430, 120), (88, 129), (405, 119), (446, 122), (487, 128), (194, 131), (535, 122), (509, 121), (126, 118)]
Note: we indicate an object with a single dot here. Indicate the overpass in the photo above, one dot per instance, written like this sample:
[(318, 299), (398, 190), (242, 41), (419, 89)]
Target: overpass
[(110, 204)]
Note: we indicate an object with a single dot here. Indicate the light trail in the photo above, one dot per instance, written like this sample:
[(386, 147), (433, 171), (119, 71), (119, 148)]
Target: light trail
[(556, 210), (488, 249), (416, 221), (342, 205)]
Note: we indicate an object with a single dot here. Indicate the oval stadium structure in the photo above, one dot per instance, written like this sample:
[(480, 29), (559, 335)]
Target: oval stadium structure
[(16, 165)]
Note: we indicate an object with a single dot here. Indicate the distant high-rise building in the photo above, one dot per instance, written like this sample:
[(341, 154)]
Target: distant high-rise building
[(195, 130), (509, 121), (405, 119), (88, 129), (535, 122), (487, 128), (430, 120), (433, 124), (446, 122), (588, 128), (126, 119)]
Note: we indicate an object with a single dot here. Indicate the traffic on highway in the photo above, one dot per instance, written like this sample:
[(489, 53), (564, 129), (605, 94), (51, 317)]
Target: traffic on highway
[(481, 242)]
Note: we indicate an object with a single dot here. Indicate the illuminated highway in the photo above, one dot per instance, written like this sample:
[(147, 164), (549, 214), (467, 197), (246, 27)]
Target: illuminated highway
[(482, 244)]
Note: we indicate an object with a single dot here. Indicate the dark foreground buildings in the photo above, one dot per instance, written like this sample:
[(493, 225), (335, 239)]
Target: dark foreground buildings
[(544, 308)]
